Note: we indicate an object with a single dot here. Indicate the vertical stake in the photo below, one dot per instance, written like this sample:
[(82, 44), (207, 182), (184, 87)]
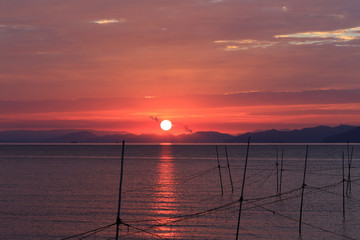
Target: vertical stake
[(218, 160), (118, 220), (348, 184), (228, 165), (242, 189), (343, 182), (277, 172), (281, 169), (351, 159), (303, 188)]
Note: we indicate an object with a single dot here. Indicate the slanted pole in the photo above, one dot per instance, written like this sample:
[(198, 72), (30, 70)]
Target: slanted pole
[(228, 166), (302, 191), (118, 220), (218, 160), (242, 189)]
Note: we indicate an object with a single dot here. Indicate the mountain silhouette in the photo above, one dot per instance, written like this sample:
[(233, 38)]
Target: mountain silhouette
[(341, 133), (83, 136), (30, 136), (204, 137), (352, 136), (305, 135)]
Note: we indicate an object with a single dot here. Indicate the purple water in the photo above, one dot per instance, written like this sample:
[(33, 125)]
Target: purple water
[(174, 192)]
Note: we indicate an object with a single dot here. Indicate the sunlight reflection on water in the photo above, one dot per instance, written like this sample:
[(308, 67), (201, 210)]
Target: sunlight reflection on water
[(165, 201)]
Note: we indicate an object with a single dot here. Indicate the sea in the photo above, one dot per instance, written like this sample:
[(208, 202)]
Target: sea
[(179, 191)]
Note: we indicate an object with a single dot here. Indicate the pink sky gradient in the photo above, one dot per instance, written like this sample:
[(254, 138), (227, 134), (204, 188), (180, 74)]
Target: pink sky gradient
[(219, 65)]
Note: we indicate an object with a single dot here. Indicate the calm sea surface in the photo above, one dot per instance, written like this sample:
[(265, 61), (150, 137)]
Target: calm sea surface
[(174, 192)]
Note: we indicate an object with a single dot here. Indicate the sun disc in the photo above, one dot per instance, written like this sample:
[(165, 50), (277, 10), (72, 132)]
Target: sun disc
[(165, 125)]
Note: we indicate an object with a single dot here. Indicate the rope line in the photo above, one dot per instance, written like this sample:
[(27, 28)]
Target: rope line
[(308, 224), (91, 232), (142, 230)]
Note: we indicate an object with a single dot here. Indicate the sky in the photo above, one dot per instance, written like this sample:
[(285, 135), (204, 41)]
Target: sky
[(231, 66)]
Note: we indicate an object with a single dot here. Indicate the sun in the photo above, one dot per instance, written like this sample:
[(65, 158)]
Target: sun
[(165, 125)]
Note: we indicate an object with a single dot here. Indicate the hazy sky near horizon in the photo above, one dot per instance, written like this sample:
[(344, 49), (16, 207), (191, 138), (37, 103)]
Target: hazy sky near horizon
[(129, 51)]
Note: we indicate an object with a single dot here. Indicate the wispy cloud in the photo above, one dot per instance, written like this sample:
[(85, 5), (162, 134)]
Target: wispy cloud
[(18, 27), (276, 9), (339, 16), (323, 37), (340, 37), (109, 21), (234, 45)]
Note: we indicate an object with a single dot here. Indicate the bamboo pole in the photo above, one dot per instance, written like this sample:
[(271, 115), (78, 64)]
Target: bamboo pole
[(348, 183), (351, 159), (218, 160), (281, 169), (228, 166), (302, 191), (343, 182), (118, 220), (277, 172), (242, 189), (348, 163)]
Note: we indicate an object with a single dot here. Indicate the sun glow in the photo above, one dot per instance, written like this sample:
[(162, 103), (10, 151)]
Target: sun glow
[(165, 125)]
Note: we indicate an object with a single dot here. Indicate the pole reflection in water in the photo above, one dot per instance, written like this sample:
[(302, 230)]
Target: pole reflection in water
[(166, 204)]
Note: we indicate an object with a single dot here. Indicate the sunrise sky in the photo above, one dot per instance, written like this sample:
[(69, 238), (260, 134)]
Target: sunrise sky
[(207, 65)]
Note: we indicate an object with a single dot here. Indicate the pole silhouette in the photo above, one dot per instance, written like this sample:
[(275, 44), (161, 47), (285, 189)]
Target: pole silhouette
[(242, 190), (118, 220), (281, 170), (302, 190), (218, 160), (228, 166), (343, 183)]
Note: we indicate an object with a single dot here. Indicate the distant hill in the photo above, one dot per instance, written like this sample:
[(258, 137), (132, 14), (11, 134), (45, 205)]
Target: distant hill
[(83, 136), (30, 136), (39, 136), (352, 136), (306, 135), (204, 137), (342, 133)]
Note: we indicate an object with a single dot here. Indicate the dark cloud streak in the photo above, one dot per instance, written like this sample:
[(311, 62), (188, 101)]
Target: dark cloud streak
[(187, 129), (156, 119)]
